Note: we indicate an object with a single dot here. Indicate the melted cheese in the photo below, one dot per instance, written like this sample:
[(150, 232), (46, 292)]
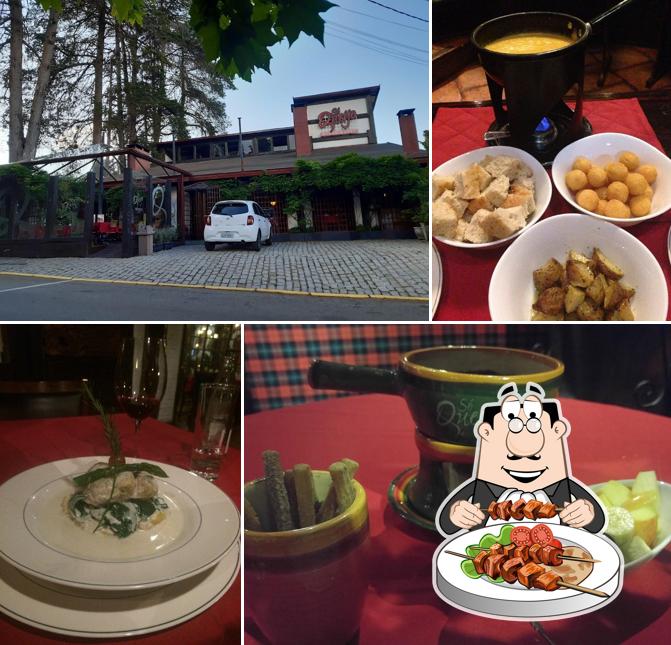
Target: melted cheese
[(532, 43)]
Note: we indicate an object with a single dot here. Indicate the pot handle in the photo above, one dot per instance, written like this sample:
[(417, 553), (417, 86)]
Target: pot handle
[(602, 16), (327, 375)]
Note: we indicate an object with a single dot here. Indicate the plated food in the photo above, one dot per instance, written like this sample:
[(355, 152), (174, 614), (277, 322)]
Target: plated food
[(486, 197), (615, 177), (621, 188), (512, 292), (585, 288), (639, 515)]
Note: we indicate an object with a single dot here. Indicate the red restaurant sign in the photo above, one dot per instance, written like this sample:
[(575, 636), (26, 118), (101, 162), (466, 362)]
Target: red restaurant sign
[(336, 117)]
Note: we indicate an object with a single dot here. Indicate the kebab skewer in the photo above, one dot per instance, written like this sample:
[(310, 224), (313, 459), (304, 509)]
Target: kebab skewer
[(521, 509), (538, 553), (515, 569)]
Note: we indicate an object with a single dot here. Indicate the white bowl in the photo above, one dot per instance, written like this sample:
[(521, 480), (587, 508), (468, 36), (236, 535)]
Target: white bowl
[(663, 527), (511, 289), (543, 186), (604, 148)]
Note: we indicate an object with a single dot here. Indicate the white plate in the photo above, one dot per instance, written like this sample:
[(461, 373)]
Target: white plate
[(605, 147), (511, 288), (436, 279), (542, 183), (38, 537), (75, 612), (516, 602), (664, 525)]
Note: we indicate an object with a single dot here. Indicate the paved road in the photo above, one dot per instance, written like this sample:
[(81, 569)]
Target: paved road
[(380, 267), (43, 299)]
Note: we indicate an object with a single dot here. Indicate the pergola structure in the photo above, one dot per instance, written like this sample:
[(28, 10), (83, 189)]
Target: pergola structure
[(130, 159)]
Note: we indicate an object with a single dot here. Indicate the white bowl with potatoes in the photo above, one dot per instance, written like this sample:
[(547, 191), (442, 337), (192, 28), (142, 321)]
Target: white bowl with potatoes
[(614, 177), (485, 198), (639, 516), (572, 267)]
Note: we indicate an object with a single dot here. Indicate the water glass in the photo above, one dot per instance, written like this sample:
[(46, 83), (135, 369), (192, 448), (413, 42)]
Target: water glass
[(214, 426)]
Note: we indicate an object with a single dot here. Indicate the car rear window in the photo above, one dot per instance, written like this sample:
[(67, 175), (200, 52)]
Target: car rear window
[(230, 209)]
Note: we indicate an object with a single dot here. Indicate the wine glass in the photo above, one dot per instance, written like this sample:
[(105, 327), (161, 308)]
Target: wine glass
[(140, 377)]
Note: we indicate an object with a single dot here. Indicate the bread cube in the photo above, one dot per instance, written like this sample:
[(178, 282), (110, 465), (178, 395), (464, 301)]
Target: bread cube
[(470, 183), (502, 165), (445, 220), (506, 221), (441, 183), (476, 231), (457, 204), (479, 203), (520, 196), (462, 225), (497, 191)]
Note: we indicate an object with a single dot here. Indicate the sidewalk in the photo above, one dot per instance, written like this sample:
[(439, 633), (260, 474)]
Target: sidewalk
[(378, 268)]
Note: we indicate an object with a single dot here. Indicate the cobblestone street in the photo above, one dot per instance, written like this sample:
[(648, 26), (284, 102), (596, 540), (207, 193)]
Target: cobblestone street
[(362, 267)]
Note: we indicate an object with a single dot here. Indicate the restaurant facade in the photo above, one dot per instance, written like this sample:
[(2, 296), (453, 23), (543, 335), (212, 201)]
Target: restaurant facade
[(325, 127)]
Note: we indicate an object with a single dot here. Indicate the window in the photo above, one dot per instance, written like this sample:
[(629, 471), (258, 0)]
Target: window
[(230, 208), (263, 144), (280, 143), (185, 153), (257, 209), (218, 150), (248, 146), (233, 149), (203, 151)]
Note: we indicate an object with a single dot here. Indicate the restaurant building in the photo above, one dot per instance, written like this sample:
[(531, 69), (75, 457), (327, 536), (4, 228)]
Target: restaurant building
[(325, 126)]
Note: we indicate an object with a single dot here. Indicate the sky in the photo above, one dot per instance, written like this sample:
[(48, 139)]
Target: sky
[(382, 47)]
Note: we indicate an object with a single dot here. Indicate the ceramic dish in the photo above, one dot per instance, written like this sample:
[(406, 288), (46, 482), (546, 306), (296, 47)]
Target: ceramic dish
[(603, 148), (397, 496), (38, 536), (516, 602), (542, 183), (664, 525), (79, 613), (668, 244), (511, 288), (436, 279)]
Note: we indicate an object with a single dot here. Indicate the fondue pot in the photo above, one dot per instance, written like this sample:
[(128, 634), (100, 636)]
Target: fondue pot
[(535, 117), (444, 388)]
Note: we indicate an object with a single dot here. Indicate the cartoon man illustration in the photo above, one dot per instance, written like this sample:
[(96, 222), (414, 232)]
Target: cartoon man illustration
[(521, 454)]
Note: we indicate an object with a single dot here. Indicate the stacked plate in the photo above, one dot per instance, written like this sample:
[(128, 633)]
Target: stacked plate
[(59, 577)]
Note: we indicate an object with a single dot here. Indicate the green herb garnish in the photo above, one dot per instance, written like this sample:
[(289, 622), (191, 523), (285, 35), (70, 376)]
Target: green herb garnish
[(81, 481), (111, 433)]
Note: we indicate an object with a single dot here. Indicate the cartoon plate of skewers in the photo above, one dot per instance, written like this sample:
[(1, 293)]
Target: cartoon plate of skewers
[(541, 574)]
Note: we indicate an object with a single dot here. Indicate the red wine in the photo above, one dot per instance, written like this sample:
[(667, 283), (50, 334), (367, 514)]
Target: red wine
[(139, 407)]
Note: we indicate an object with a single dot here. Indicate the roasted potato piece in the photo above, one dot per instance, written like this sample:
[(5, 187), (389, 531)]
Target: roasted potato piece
[(574, 296), (539, 315), (613, 295), (551, 301), (579, 257), (597, 289), (629, 291), (624, 310), (605, 266), (579, 274), (571, 316), (548, 275), (589, 310)]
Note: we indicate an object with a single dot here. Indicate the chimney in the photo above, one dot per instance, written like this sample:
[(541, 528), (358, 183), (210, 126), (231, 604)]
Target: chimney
[(406, 121), (136, 163), (301, 130)]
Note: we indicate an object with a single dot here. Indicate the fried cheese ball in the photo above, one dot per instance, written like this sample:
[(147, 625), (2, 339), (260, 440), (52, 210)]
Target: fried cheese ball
[(629, 159), (582, 163), (601, 208), (648, 192), (618, 190), (576, 180), (616, 171), (587, 199), (602, 192), (616, 208), (648, 171), (636, 183), (640, 205), (597, 177)]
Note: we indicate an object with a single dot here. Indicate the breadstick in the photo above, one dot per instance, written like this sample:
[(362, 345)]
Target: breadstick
[(327, 510), (352, 466), (277, 493), (343, 485), (290, 485), (305, 495), (252, 521)]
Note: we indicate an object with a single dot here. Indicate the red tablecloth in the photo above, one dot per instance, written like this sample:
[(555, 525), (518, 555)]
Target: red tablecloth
[(466, 273), (105, 227), (24, 444), (606, 442)]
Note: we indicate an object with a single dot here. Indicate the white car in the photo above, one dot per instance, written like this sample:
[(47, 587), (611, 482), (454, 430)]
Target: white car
[(237, 221)]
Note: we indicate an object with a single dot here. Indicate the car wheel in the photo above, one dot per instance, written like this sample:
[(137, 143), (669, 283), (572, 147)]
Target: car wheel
[(257, 244), (269, 241), (209, 246)]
